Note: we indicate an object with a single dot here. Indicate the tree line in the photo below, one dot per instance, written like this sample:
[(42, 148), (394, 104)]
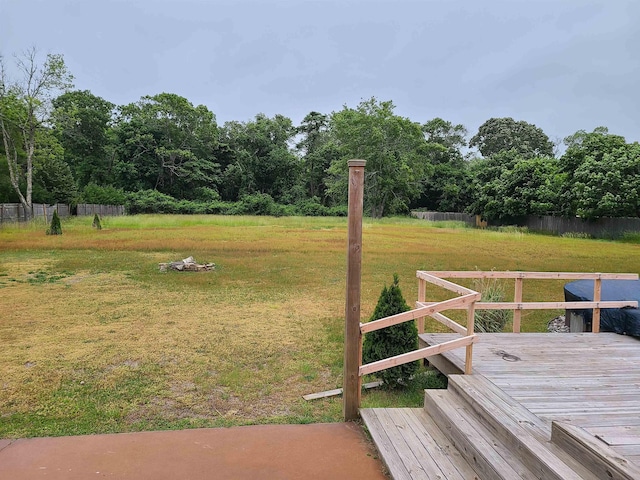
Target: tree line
[(163, 154)]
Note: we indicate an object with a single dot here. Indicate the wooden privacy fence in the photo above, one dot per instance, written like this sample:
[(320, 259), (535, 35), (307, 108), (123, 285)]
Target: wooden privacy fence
[(598, 228), (470, 301), (15, 212), (102, 210)]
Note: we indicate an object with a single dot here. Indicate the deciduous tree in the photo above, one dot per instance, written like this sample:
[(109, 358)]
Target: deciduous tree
[(507, 185), (53, 181), (503, 134), (444, 190), (395, 151), (584, 147), (25, 107), (166, 144), (318, 150), (82, 123), (264, 162), (609, 186)]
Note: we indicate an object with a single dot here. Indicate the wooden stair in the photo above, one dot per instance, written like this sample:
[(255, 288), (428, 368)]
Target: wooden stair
[(473, 430)]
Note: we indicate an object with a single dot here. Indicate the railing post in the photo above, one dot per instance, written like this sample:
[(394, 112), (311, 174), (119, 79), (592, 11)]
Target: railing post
[(597, 296), (352, 336), (422, 296), (471, 314), (517, 298)]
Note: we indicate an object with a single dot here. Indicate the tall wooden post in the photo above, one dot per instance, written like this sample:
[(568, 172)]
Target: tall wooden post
[(517, 313), (352, 382), (597, 296), (422, 297), (471, 319)]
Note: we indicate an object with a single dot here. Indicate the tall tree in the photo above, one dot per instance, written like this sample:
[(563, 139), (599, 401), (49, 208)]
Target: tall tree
[(53, 181), (166, 144), (503, 134), (394, 148), (82, 123), (25, 107), (264, 162), (318, 150), (593, 149), (444, 190), (609, 186), (507, 185)]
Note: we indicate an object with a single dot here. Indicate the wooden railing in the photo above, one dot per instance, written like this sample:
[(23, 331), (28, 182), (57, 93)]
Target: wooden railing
[(518, 305), (470, 300)]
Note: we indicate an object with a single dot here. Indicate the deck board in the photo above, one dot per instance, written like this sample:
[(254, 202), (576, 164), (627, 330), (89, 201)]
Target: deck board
[(413, 447), (589, 380)]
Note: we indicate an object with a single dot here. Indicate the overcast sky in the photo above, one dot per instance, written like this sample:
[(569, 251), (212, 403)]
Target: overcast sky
[(564, 65)]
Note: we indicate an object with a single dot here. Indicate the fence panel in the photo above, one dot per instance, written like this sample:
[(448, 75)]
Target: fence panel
[(601, 228), (14, 212), (11, 212), (64, 211), (85, 209), (446, 217)]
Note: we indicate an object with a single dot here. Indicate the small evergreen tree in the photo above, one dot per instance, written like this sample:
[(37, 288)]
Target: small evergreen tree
[(391, 341), (96, 222), (55, 228)]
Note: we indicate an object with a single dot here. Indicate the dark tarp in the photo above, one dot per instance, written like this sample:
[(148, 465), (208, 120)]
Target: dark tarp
[(625, 321)]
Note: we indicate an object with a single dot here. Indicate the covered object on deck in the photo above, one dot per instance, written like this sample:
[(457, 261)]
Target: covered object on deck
[(625, 321)]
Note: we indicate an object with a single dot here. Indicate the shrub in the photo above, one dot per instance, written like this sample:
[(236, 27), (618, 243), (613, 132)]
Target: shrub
[(206, 194), (311, 207), (391, 341), (107, 195), (575, 235), (96, 222), (256, 204), (55, 228), (151, 201), (339, 211), (490, 321)]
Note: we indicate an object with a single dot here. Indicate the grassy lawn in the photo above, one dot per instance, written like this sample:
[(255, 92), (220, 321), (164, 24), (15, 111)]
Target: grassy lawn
[(95, 339)]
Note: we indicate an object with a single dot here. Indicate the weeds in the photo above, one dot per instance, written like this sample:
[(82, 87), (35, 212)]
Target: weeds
[(575, 235), (491, 321), (40, 277)]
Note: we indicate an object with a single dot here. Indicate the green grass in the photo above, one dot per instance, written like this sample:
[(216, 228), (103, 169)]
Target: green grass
[(95, 339)]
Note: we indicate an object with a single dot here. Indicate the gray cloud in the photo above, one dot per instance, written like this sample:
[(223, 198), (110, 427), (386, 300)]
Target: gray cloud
[(563, 65)]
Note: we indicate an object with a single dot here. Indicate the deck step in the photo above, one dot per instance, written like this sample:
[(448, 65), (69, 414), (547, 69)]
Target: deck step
[(593, 453), (474, 430), (527, 435), (413, 447), (485, 452)]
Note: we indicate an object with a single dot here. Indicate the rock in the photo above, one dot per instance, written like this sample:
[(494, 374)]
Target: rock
[(558, 325), (188, 264)]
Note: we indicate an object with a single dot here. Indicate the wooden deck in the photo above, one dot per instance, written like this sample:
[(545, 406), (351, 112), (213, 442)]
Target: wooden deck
[(498, 422), (586, 379)]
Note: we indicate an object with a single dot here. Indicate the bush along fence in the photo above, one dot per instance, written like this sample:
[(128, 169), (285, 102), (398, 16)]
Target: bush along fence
[(14, 212), (471, 220), (600, 228)]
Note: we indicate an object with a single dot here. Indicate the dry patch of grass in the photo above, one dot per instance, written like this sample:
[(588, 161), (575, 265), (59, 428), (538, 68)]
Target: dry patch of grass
[(95, 339)]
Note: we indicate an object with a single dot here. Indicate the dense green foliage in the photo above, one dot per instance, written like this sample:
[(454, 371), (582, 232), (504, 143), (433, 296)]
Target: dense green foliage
[(504, 134), (394, 148), (164, 154), (391, 341)]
